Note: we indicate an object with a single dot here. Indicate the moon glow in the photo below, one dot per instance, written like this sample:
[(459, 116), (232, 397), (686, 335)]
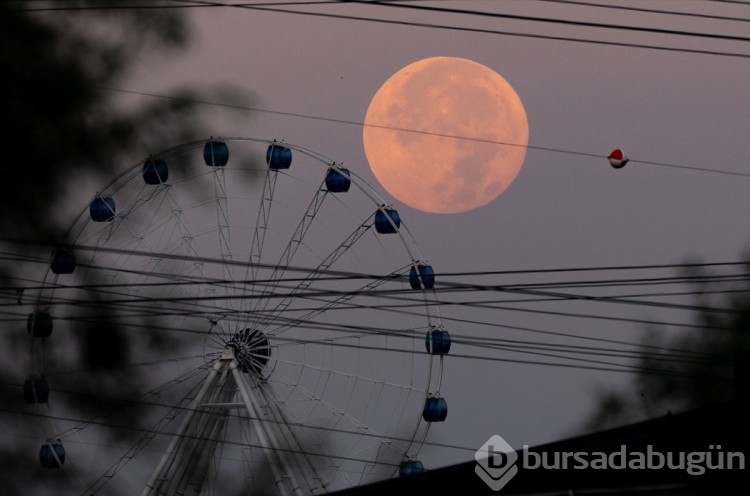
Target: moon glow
[(446, 135)]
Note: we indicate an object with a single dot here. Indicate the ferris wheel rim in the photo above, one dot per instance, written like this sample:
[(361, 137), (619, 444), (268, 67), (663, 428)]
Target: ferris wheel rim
[(403, 233)]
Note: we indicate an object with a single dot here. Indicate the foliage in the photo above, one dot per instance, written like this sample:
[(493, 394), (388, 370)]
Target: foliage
[(62, 127), (60, 121), (717, 351)]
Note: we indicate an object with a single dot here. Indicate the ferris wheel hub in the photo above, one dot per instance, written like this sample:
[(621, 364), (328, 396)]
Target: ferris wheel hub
[(251, 350)]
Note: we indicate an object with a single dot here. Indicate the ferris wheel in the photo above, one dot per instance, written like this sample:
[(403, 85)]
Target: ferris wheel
[(273, 321)]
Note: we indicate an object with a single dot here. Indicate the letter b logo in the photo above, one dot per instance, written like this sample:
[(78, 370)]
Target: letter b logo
[(496, 459), (496, 463)]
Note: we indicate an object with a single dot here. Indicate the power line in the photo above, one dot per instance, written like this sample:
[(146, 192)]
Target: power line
[(368, 330), (361, 275), (503, 33), (226, 441), (400, 298), (82, 396), (631, 8), (546, 20), (99, 420), (414, 131), (442, 284), (737, 2), (278, 9), (346, 330), (399, 294), (481, 342)]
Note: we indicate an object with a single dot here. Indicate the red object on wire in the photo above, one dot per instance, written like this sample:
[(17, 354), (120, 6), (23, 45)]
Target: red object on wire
[(618, 159)]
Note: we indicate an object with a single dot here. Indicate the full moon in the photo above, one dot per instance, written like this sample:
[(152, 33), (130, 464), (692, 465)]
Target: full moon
[(446, 135)]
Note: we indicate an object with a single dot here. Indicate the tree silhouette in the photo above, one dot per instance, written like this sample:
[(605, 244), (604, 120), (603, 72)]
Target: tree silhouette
[(63, 126), (59, 120), (711, 369)]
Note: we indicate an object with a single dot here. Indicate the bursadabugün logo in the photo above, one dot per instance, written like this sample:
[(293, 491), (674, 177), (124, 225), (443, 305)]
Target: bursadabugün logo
[(497, 461)]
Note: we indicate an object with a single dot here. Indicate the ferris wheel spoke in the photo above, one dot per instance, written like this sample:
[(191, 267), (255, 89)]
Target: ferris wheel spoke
[(160, 361), (287, 256), (117, 410), (340, 415), (143, 255), (201, 304), (206, 305), (131, 305), (345, 335), (321, 269), (345, 444), (306, 383), (148, 435), (223, 231), (343, 300), (347, 375), (261, 224), (177, 213), (137, 240)]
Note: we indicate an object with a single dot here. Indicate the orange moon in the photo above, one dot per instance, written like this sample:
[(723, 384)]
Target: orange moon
[(446, 135)]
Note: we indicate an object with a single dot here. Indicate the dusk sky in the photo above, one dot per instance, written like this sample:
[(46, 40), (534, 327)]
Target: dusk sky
[(564, 210), (668, 82)]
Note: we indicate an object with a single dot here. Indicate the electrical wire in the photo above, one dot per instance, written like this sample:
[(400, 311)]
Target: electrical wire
[(546, 20), (279, 9), (545, 350), (631, 8), (134, 307), (416, 131)]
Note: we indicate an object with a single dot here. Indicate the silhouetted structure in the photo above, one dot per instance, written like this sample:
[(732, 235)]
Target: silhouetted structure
[(719, 429)]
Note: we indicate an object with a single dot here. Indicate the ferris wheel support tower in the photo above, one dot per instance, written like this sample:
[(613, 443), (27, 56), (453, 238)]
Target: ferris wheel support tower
[(191, 442)]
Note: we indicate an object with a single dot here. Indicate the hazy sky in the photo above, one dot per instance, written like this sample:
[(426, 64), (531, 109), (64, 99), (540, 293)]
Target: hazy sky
[(314, 77)]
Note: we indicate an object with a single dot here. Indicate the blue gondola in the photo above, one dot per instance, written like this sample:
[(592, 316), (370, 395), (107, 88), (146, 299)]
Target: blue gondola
[(278, 157), (63, 261), (155, 171), (39, 324), (337, 180), (435, 409), (383, 218), (422, 276), (216, 153), (438, 342), (36, 390), (52, 455), (410, 467), (102, 209)]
